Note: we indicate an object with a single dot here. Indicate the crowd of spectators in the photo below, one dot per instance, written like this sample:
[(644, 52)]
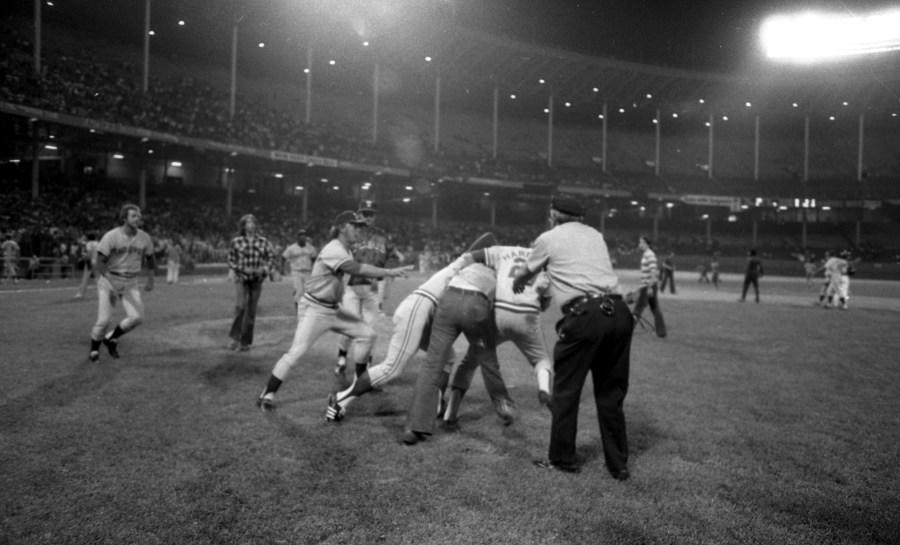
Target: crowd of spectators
[(87, 84), (92, 83)]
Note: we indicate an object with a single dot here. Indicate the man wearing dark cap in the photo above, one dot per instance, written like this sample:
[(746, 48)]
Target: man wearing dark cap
[(594, 334), (300, 256), (320, 311), (250, 261)]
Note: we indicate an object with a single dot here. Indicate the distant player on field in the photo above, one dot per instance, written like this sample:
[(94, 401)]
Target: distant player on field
[(120, 254), (300, 256), (10, 259)]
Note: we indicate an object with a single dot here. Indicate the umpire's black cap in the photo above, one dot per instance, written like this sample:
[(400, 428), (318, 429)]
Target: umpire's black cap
[(349, 216), (567, 205), (368, 205)]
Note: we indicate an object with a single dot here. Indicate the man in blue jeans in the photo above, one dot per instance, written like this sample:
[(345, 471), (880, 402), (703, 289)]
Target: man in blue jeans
[(467, 308), (250, 260)]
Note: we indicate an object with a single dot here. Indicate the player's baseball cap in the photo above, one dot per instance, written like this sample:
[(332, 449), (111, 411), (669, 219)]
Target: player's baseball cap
[(484, 241), (349, 216), (567, 205), (368, 205)]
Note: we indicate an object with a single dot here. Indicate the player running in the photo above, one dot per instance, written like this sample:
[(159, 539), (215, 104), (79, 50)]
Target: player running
[(120, 254), (320, 310)]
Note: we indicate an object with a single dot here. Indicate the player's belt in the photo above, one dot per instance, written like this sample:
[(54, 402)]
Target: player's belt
[(576, 305), (126, 275), (464, 291), (320, 302)]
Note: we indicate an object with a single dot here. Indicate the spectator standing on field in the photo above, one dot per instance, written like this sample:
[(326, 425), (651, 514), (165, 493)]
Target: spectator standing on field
[(752, 274), (250, 260), (647, 294), (667, 273)]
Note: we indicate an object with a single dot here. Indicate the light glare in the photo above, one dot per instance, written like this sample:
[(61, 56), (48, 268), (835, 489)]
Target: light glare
[(815, 36)]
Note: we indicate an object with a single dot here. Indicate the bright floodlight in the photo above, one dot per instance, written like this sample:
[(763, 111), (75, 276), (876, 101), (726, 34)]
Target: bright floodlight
[(811, 36)]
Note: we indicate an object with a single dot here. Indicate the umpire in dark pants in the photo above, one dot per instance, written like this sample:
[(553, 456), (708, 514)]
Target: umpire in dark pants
[(594, 335)]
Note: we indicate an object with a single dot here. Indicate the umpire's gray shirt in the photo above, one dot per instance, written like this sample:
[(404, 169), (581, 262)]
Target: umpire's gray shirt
[(576, 259)]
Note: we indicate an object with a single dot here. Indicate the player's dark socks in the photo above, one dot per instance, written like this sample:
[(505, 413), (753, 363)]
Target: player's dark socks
[(443, 381), (361, 385), (95, 345), (273, 385), (342, 353), (117, 332), (361, 368)]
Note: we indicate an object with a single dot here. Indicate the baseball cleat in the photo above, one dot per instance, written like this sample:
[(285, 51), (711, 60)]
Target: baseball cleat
[(94, 355), (334, 412), (265, 403), (340, 371), (112, 346)]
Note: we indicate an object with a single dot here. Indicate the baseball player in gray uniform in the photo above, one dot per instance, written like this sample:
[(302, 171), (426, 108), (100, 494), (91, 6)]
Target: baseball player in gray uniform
[(300, 256), (412, 325), (120, 254), (517, 316), (320, 311), (362, 297)]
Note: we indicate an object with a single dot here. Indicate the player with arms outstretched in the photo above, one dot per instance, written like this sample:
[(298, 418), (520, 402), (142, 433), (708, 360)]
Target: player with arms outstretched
[(372, 247), (320, 309)]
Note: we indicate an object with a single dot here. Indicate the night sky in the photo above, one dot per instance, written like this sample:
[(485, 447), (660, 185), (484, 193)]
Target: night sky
[(704, 35)]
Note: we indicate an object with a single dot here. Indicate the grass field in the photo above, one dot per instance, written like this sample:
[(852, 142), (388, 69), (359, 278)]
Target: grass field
[(767, 424)]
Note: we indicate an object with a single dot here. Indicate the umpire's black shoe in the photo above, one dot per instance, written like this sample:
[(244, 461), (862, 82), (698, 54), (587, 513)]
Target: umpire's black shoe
[(112, 346), (410, 437), (620, 474), (565, 468)]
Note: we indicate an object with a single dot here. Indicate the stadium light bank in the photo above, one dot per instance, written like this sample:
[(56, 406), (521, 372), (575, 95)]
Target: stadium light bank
[(811, 37)]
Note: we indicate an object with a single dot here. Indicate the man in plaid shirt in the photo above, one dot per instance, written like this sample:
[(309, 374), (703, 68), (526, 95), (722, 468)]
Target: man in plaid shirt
[(250, 260)]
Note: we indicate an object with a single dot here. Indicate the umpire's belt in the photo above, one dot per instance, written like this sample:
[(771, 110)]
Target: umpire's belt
[(320, 302), (576, 305), (464, 291)]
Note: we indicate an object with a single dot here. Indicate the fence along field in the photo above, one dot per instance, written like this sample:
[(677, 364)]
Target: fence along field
[(769, 423)]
